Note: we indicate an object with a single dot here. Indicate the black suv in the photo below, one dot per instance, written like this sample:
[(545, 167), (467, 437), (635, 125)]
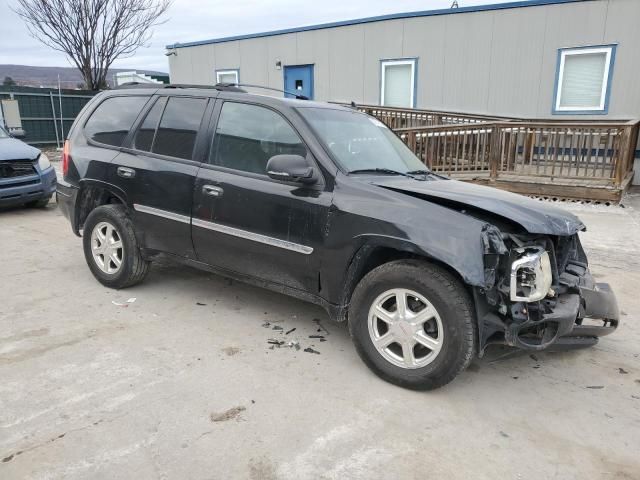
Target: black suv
[(325, 203)]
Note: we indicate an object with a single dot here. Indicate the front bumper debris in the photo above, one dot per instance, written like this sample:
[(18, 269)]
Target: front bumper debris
[(576, 319)]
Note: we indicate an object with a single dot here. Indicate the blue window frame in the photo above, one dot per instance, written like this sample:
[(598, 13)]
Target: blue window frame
[(583, 80)]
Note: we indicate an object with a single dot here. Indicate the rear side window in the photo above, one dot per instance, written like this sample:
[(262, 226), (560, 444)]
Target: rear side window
[(247, 136), (178, 128), (147, 131), (111, 121)]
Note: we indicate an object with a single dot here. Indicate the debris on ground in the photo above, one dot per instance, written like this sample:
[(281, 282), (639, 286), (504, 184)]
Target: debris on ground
[(266, 325), (125, 304), (622, 371), (595, 387), (275, 343), (320, 326), (200, 304), (231, 414), (289, 331), (505, 435), (231, 351), (277, 327), (533, 357), (318, 337), (311, 350)]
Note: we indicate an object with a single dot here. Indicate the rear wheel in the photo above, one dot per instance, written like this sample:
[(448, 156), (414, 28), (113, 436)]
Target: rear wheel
[(111, 248), (413, 324)]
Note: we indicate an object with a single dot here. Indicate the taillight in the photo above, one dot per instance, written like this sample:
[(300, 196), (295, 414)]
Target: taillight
[(66, 157)]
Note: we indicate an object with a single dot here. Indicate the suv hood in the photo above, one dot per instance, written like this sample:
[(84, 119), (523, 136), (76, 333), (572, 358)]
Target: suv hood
[(13, 149), (532, 215)]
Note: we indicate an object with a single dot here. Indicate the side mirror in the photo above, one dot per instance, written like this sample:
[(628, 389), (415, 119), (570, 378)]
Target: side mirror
[(17, 133), (290, 168)]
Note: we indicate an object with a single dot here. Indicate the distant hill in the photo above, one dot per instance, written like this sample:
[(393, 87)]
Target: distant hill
[(70, 77)]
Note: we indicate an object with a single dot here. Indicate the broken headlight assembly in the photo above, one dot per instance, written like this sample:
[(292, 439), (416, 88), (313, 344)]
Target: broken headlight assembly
[(531, 276)]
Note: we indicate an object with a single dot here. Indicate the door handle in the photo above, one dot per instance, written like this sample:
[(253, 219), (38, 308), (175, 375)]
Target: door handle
[(126, 172), (212, 190)]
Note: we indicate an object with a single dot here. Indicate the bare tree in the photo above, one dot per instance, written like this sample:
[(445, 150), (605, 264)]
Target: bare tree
[(93, 33)]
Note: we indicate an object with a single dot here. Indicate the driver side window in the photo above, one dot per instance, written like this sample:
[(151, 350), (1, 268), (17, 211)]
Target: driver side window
[(247, 136)]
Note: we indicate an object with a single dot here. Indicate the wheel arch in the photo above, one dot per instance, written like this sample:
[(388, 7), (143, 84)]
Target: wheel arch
[(93, 194), (376, 251)]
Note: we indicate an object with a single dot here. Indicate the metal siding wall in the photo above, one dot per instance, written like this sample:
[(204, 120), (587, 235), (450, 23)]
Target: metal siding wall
[(516, 58), (313, 48), (500, 62), (201, 61), (568, 25), (382, 40), (424, 38), (466, 64), (346, 66), (623, 27), (283, 48), (253, 62)]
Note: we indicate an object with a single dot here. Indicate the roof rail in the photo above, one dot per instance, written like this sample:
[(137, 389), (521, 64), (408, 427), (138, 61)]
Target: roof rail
[(228, 87), (223, 87)]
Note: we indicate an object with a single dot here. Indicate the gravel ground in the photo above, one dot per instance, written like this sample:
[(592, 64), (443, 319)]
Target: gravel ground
[(182, 382)]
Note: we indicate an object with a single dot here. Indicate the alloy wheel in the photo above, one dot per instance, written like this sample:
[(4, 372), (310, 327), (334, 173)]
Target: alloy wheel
[(405, 328), (107, 248)]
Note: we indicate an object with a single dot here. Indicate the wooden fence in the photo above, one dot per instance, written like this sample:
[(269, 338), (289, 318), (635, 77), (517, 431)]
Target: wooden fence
[(558, 158)]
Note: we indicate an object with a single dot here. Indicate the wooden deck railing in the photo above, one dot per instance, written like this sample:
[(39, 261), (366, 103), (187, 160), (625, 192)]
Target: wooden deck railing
[(590, 154), (406, 118), (550, 151)]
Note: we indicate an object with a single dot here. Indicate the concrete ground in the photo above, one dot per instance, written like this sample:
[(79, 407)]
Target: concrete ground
[(181, 383)]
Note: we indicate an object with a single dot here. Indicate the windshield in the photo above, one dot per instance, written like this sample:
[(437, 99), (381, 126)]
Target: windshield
[(360, 142), (3, 133)]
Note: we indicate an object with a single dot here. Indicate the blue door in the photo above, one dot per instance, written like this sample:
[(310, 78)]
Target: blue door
[(299, 79)]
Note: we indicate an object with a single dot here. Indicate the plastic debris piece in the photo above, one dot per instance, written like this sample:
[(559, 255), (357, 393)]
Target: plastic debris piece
[(275, 341), (320, 326), (266, 324), (295, 345), (277, 327), (311, 350), (200, 304), (289, 331)]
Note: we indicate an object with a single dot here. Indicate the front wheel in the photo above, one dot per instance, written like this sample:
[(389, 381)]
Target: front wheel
[(111, 248), (413, 324)]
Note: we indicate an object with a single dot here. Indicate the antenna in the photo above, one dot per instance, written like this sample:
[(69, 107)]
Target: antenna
[(295, 94)]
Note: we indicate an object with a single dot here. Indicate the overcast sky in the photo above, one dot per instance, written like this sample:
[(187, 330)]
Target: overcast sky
[(189, 20)]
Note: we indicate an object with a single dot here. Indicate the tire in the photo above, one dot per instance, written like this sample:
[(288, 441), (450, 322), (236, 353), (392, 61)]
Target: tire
[(133, 267), (41, 203), (426, 288)]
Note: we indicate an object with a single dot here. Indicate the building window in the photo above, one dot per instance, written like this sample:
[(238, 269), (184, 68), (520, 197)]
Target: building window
[(583, 79), (398, 83), (227, 76)]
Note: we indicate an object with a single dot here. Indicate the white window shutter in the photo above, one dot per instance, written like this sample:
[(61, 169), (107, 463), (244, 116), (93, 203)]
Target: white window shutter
[(583, 81), (397, 83)]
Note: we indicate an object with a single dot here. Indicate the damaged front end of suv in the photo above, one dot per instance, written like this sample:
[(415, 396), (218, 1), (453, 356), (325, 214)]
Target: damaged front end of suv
[(539, 293)]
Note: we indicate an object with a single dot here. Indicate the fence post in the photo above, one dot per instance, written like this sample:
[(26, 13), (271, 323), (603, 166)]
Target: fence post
[(623, 155), (55, 121), (494, 151)]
